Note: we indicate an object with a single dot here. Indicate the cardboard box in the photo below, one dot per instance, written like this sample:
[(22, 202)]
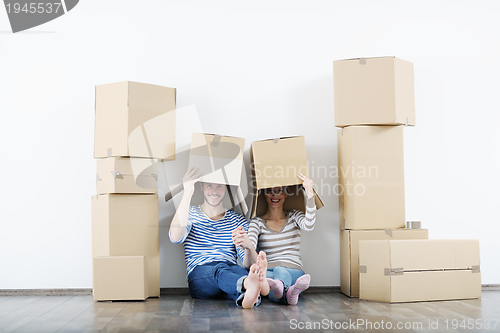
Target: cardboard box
[(373, 91), (126, 175), (278, 162), (134, 119), (371, 177), (419, 270), (120, 278), (349, 250), (127, 225), (219, 158)]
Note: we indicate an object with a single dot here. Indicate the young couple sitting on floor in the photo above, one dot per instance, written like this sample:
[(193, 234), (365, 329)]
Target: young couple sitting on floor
[(214, 237)]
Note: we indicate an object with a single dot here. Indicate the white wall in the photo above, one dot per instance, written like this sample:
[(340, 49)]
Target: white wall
[(256, 70)]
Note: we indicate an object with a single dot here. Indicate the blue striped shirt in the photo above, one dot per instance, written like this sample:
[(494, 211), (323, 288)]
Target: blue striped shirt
[(207, 241)]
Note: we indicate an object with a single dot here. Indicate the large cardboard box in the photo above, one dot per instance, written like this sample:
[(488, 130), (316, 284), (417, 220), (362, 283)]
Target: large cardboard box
[(127, 225), (278, 162), (120, 278), (134, 119), (126, 175), (349, 251), (373, 91), (219, 158), (371, 177), (419, 270)]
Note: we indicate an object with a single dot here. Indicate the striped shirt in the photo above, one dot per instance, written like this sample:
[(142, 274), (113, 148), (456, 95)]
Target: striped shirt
[(282, 248), (207, 241)]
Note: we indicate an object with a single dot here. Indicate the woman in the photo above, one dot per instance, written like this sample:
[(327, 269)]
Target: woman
[(277, 233)]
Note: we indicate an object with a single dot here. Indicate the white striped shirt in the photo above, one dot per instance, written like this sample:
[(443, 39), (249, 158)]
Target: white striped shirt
[(282, 247), (207, 241)]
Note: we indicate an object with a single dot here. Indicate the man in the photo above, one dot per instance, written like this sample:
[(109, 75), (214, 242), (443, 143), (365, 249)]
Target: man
[(206, 231)]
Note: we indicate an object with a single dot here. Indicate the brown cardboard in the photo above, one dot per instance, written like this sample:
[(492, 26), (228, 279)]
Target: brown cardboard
[(349, 250), (373, 91), (134, 119), (127, 225), (278, 162), (219, 158), (126, 175), (371, 177), (419, 270), (121, 278)]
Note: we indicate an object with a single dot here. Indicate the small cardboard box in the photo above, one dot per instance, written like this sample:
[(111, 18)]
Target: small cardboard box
[(373, 91), (134, 119), (219, 158), (127, 225), (419, 270), (349, 250), (122, 278), (278, 162), (126, 175), (371, 177)]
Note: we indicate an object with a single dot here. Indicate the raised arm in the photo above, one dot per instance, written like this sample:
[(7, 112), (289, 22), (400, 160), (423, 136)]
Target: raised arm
[(179, 222), (308, 220)]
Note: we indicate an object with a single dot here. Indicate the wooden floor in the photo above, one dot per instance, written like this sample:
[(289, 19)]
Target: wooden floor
[(314, 313)]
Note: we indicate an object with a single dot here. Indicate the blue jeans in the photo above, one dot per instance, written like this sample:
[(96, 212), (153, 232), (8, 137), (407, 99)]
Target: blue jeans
[(218, 280), (287, 275)]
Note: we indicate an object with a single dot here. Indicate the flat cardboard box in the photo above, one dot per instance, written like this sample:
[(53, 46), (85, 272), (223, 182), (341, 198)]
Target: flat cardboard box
[(123, 278), (419, 270), (373, 91), (278, 162), (219, 158), (371, 177), (126, 175), (349, 250), (135, 120), (127, 225)]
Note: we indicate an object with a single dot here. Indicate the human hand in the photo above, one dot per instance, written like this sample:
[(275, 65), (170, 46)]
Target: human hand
[(190, 178), (241, 239), (308, 185)]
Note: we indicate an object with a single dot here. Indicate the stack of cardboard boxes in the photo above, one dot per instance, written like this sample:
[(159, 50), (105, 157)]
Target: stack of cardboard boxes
[(134, 127), (374, 100)]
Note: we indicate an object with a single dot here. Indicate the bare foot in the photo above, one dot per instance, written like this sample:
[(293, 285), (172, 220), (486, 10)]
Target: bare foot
[(252, 286), (262, 262)]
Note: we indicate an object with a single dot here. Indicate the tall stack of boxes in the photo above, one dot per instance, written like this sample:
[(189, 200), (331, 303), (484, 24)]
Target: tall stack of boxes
[(134, 128), (373, 101)]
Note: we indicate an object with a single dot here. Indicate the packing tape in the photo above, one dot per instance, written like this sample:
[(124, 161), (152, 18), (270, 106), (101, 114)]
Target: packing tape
[(393, 271), (342, 131), (216, 140), (275, 140), (110, 152), (476, 269), (155, 176), (406, 122), (362, 268), (117, 174), (413, 225), (97, 178), (388, 232), (362, 61)]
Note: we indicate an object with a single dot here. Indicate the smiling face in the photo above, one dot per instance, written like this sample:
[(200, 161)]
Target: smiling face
[(275, 197), (213, 193)]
